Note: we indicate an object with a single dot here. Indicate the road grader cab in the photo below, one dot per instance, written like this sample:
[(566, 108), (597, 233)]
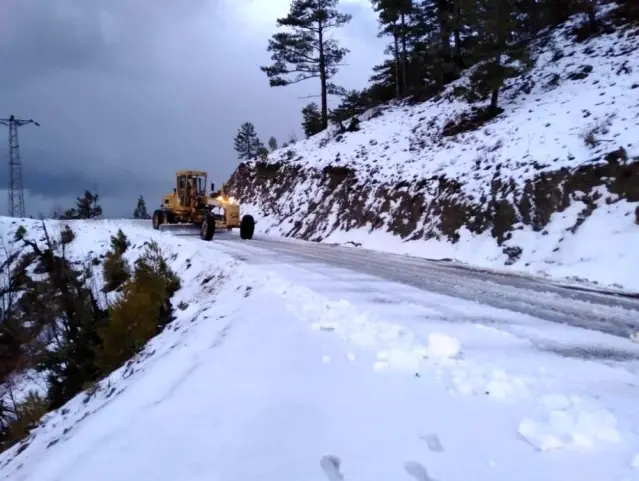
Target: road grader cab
[(190, 208)]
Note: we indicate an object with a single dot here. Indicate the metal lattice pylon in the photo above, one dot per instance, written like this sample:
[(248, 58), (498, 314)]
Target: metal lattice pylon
[(16, 190)]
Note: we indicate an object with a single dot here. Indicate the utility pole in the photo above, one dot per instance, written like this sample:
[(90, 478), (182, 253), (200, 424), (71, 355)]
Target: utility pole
[(16, 191)]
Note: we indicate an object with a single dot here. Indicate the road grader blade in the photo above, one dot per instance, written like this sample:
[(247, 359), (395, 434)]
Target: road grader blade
[(180, 229)]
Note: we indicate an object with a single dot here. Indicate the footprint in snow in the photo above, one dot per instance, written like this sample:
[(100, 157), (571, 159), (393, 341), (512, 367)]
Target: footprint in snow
[(433, 442), (330, 465), (417, 471)]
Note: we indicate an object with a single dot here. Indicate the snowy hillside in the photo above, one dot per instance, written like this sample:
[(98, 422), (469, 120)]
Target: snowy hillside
[(550, 186), (271, 373)]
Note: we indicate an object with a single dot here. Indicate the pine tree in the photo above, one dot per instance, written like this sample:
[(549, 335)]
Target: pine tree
[(383, 82), (498, 21), (438, 32), (64, 303), (87, 207), (589, 7), (455, 18), (312, 122), (307, 50), (272, 144), (247, 143), (418, 67), (354, 103), (140, 211), (433, 41), (262, 153), (393, 20), (11, 338), (557, 11)]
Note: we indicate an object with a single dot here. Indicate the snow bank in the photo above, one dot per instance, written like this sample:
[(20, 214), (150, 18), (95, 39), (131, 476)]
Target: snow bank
[(212, 276), (91, 243), (569, 422)]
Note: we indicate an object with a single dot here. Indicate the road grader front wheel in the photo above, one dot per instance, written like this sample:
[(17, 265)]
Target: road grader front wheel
[(207, 230), (158, 219), (247, 227)]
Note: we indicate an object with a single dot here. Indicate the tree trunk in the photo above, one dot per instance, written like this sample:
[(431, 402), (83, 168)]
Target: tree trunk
[(444, 28), (560, 10), (591, 11), (322, 72), (404, 56), (534, 17), (494, 99), (396, 54), (457, 33), (501, 42)]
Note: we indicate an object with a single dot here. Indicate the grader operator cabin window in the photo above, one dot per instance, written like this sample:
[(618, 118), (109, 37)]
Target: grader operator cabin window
[(201, 184), (182, 189)]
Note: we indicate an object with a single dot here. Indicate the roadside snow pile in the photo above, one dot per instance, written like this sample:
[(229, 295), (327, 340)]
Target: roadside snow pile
[(528, 190), (569, 422), (389, 347)]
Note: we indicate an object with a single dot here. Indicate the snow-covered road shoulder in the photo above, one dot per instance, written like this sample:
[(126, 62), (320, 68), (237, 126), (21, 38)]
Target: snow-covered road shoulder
[(262, 377)]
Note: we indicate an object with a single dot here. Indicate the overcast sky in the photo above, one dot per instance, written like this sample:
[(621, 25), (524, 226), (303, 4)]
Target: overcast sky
[(128, 91)]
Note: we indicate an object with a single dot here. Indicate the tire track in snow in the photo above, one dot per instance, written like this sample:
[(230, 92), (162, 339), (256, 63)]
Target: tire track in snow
[(609, 314)]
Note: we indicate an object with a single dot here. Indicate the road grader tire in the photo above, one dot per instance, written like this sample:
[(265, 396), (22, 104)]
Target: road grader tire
[(158, 219), (247, 227), (207, 230)]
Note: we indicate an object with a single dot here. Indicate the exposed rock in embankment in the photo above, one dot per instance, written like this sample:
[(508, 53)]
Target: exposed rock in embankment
[(430, 207)]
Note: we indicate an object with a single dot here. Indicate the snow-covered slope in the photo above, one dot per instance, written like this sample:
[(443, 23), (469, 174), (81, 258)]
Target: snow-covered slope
[(549, 186), (271, 373), (88, 249)]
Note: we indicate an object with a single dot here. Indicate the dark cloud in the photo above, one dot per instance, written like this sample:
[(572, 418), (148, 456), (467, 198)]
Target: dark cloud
[(41, 37), (128, 91), (41, 177)]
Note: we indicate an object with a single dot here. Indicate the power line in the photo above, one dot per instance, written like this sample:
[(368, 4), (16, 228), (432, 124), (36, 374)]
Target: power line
[(16, 190)]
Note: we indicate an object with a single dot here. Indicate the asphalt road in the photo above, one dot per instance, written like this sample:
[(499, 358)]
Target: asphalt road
[(612, 314)]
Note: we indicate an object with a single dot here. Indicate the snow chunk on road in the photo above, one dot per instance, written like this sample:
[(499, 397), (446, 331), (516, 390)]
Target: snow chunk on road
[(443, 346), (569, 422), (400, 359), (397, 348), (495, 383)]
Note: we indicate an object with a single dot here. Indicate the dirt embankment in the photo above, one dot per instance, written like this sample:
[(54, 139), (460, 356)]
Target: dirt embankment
[(430, 207)]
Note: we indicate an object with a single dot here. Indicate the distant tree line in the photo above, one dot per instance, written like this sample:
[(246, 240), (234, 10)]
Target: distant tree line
[(87, 207), (431, 44), (248, 145)]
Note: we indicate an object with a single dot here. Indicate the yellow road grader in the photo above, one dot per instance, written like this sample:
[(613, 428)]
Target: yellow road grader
[(189, 207)]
